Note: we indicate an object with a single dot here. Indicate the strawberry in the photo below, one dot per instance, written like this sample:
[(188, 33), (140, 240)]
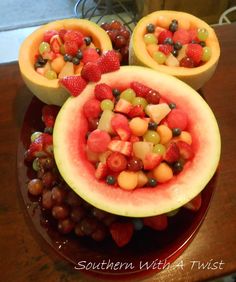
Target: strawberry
[(91, 72), (103, 91), (194, 51), (124, 147), (74, 84), (166, 48), (124, 132), (172, 153), (123, 106), (185, 150), (194, 204), (136, 111), (48, 35), (71, 47), (90, 55), (92, 108), (151, 160), (98, 141), (121, 232), (163, 35), (49, 114), (101, 171), (140, 89), (177, 119), (116, 162), (62, 33), (182, 36), (73, 35), (109, 61), (159, 222), (55, 43)]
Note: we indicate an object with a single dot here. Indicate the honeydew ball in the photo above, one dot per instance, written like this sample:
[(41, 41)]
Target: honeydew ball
[(159, 149), (206, 54), (128, 95), (150, 38), (140, 101), (202, 34), (50, 74), (44, 47), (107, 104), (152, 136), (159, 57)]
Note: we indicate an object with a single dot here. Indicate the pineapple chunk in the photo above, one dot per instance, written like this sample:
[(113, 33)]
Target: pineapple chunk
[(157, 112)]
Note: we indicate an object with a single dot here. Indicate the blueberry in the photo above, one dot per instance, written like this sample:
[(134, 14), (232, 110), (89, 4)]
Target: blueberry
[(169, 41), (150, 28), (152, 182), (152, 125), (174, 21), (68, 58), (138, 223), (173, 26), (177, 45), (172, 106), (110, 180), (175, 52), (79, 54), (41, 60), (177, 167), (116, 92), (88, 40), (176, 131), (75, 61), (202, 43)]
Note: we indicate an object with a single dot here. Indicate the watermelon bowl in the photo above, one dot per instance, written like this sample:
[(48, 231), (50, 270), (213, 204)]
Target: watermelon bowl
[(149, 251)]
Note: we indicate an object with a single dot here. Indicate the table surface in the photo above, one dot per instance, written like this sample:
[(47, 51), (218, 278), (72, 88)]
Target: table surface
[(22, 258)]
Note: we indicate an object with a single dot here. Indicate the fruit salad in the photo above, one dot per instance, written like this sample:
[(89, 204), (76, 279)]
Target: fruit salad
[(71, 213), (177, 43)]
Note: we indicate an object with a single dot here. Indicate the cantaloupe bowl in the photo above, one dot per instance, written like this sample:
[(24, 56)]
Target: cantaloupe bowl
[(47, 90), (196, 77)]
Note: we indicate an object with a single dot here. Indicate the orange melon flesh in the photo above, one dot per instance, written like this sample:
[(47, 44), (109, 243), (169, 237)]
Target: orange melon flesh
[(69, 149), (195, 77), (47, 90)]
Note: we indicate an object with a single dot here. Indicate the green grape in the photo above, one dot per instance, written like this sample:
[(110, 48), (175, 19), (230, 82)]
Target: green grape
[(35, 135), (159, 57), (206, 54), (128, 95), (172, 213), (50, 74), (44, 47), (35, 165), (140, 101), (202, 34), (152, 136), (150, 38), (159, 149), (107, 104)]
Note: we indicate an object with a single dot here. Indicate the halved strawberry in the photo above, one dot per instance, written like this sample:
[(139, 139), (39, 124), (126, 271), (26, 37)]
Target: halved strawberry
[(120, 125), (91, 72), (194, 204), (49, 114), (172, 153), (121, 232), (49, 34), (124, 132), (74, 84), (55, 43), (116, 162), (124, 147), (166, 48), (151, 160), (136, 111), (103, 91), (109, 61), (159, 222), (101, 170), (140, 89), (123, 106), (185, 150)]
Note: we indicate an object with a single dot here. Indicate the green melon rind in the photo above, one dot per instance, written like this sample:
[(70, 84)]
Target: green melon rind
[(140, 202), (195, 77)]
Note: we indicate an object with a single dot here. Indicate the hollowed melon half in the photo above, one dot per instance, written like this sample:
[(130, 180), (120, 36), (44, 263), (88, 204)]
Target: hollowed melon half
[(195, 77), (47, 90), (69, 139)]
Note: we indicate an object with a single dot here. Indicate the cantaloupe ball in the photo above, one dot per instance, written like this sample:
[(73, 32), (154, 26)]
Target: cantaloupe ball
[(58, 63), (142, 178), (127, 180), (184, 24), (162, 173), (165, 133), (138, 126), (184, 136), (163, 21)]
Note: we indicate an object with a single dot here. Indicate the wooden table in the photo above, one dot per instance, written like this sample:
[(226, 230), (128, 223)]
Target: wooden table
[(22, 258)]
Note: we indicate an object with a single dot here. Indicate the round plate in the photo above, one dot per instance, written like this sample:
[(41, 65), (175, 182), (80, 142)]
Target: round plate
[(149, 251)]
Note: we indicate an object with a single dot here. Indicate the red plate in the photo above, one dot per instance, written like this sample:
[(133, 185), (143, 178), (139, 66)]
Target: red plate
[(148, 252)]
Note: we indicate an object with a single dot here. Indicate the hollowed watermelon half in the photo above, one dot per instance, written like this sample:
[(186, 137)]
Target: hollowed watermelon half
[(69, 139)]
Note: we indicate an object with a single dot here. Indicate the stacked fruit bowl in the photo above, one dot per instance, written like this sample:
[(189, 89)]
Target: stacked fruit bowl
[(132, 147)]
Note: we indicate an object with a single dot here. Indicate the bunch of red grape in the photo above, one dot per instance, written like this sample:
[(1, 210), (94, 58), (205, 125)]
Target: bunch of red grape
[(120, 36)]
